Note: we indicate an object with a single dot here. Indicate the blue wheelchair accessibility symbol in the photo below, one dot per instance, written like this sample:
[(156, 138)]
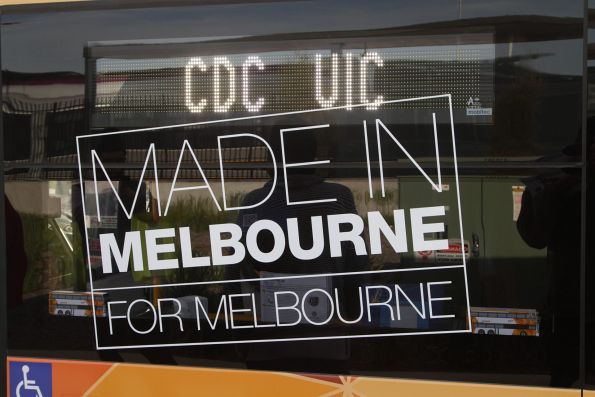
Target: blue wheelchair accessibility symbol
[(30, 379)]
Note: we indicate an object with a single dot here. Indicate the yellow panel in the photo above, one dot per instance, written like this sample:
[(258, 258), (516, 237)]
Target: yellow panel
[(589, 393), (387, 387), (143, 380), (149, 380)]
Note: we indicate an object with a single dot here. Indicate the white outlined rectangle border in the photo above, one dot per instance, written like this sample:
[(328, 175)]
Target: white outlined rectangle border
[(168, 127)]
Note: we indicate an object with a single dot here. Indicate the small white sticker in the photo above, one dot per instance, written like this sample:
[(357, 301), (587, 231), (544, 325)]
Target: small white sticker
[(479, 111), (445, 187)]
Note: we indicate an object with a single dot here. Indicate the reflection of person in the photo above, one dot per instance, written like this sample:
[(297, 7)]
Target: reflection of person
[(550, 218), (302, 185), (16, 258)]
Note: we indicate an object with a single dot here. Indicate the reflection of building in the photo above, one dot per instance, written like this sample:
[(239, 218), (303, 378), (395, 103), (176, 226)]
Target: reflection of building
[(43, 113)]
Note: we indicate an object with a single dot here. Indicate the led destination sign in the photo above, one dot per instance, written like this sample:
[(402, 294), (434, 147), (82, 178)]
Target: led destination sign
[(216, 82)]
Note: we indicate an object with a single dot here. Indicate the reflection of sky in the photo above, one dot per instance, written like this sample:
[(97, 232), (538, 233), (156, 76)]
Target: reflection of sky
[(552, 8), (556, 56), (55, 41)]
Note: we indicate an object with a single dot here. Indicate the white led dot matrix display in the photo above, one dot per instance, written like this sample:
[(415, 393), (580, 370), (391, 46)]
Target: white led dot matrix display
[(293, 80), (193, 62), (330, 101), (257, 62)]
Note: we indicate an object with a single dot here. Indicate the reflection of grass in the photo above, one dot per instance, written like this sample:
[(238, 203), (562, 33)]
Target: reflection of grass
[(50, 264), (385, 205), (198, 214)]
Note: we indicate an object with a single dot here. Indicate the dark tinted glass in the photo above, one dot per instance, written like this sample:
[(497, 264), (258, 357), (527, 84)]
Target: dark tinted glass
[(491, 90)]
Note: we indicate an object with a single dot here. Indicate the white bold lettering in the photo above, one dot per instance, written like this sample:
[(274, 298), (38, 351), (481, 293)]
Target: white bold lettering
[(418, 229), (336, 236), (218, 243), (109, 246), (278, 241), (154, 249), (397, 238)]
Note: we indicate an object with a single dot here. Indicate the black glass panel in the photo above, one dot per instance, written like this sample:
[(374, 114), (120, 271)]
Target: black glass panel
[(136, 146)]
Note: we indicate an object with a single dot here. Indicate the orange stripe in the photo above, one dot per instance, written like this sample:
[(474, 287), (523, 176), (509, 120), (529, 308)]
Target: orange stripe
[(147, 380), (74, 378)]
